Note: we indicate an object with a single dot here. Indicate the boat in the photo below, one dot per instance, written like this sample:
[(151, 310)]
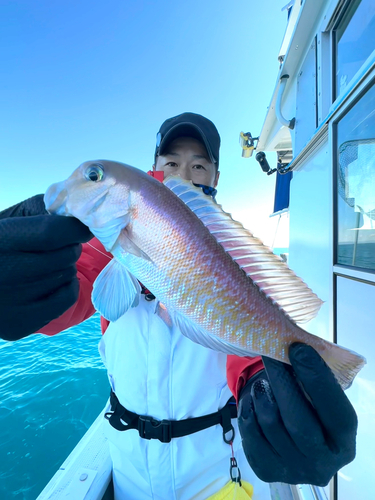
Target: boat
[(86, 474), (321, 125)]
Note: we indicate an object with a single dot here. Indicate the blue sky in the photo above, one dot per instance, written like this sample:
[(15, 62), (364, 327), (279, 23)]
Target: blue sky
[(86, 80)]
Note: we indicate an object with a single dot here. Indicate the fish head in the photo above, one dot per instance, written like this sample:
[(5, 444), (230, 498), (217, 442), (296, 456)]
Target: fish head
[(98, 194)]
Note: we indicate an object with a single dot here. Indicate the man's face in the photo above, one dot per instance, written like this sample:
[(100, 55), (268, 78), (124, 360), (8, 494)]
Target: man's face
[(188, 158)]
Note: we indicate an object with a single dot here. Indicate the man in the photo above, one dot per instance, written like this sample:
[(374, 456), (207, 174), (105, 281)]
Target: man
[(164, 386)]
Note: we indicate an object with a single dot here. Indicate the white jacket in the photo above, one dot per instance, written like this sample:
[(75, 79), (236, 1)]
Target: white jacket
[(156, 371)]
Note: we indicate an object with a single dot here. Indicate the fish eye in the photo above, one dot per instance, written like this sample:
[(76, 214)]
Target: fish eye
[(94, 173)]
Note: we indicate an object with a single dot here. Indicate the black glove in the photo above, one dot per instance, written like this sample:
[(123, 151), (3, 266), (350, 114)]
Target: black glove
[(285, 437), (38, 275)]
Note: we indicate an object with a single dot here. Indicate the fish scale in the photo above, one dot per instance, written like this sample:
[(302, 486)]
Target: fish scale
[(220, 285)]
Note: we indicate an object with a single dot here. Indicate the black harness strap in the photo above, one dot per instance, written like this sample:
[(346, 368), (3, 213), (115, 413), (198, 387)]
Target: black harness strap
[(150, 428)]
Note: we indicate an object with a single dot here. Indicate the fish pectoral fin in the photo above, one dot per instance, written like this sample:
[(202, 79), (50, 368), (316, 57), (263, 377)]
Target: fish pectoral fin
[(110, 232), (115, 290), (128, 246), (205, 339)]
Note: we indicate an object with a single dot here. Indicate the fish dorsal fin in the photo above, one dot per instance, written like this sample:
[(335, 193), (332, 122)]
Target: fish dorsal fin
[(267, 270)]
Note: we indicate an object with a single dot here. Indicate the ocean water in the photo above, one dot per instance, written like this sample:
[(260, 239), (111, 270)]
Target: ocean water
[(51, 390), (363, 256)]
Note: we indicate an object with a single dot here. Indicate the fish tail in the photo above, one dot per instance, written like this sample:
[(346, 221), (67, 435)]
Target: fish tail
[(344, 363)]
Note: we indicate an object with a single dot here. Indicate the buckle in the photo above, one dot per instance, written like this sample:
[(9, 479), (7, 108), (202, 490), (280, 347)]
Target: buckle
[(235, 473), (150, 428)]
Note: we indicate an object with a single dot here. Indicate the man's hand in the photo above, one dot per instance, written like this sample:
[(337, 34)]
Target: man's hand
[(38, 278), (286, 438)]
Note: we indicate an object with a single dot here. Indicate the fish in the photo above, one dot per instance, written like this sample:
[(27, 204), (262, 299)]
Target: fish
[(212, 277)]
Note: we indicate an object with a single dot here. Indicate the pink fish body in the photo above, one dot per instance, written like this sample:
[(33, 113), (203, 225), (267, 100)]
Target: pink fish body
[(221, 286)]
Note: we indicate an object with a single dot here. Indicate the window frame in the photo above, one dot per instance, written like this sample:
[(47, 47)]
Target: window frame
[(332, 26), (353, 272)]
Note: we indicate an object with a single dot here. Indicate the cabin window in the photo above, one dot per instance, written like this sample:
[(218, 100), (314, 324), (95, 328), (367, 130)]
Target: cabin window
[(354, 41), (356, 184)]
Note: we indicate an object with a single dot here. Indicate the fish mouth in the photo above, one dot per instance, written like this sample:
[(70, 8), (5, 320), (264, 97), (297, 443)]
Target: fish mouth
[(55, 199)]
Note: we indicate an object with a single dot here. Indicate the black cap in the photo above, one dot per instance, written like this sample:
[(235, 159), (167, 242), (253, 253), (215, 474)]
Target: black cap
[(189, 125)]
